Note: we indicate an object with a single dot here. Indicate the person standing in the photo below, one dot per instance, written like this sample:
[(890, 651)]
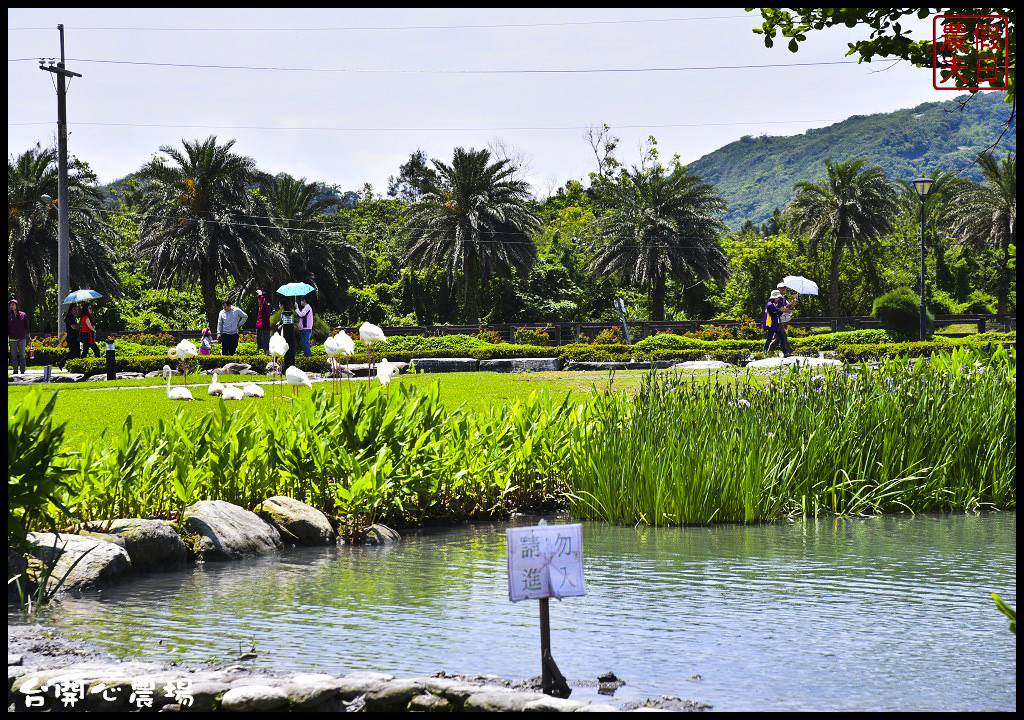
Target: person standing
[(772, 323), (88, 333), (206, 342), (263, 323), (18, 335), (286, 324), (73, 332), (229, 323), (305, 312)]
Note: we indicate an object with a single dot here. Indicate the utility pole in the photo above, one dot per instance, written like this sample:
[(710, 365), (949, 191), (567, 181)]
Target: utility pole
[(63, 272)]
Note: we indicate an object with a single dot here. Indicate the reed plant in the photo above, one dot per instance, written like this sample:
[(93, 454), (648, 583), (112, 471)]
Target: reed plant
[(920, 435)]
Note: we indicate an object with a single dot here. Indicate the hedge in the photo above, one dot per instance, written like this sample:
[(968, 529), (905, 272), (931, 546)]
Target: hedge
[(882, 351)]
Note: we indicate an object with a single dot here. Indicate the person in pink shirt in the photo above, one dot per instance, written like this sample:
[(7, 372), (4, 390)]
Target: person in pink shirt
[(305, 314)]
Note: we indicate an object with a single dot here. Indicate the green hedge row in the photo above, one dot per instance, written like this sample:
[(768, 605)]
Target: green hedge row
[(882, 351)]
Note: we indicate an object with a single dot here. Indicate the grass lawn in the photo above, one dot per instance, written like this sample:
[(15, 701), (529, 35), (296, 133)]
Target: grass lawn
[(94, 408)]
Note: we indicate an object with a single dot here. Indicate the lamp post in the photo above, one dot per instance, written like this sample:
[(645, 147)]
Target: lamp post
[(923, 186)]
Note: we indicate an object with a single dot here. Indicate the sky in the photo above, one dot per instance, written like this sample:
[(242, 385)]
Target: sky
[(380, 84)]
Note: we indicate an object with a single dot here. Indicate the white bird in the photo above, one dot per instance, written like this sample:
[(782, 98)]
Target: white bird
[(385, 370), (370, 334), (178, 393), (183, 350), (295, 377), (278, 347), (332, 349), (232, 392), (215, 388), (251, 389), (346, 345)]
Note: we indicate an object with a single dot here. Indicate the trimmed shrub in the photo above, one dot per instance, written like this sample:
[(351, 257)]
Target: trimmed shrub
[(831, 341), (900, 310), (609, 336), (979, 302), (501, 352), (585, 352)]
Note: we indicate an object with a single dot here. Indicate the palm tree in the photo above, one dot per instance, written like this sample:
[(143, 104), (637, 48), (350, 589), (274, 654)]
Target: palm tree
[(473, 217), (202, 221), (852, 206), (314, 253), (661, 225), (32, 230), (986, 215)]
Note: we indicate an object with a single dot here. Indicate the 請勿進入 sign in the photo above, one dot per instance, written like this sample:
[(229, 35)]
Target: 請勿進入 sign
[(545, 561)]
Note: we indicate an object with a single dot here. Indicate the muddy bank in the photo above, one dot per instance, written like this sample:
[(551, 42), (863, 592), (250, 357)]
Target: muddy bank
[(47, 671)]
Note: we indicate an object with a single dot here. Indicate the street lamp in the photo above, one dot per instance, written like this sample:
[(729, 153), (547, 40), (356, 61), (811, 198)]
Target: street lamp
[(923, 186)]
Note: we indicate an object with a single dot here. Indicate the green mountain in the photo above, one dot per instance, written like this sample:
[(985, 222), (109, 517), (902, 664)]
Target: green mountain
[(756, 174)]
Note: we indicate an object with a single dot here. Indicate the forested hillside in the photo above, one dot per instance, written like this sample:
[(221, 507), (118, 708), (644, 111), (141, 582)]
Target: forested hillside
[(756, 174)]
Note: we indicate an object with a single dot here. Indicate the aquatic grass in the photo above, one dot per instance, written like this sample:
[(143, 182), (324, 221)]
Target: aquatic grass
[(921, 436)]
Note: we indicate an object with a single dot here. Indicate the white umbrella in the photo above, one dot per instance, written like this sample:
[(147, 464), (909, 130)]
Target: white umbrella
[(800, 284)]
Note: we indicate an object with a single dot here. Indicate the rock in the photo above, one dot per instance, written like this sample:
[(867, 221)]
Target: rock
[(247, 372), (455, 690), (443, 365), (701, 365), (296, 521), (100, 377), (229, 532), (552, 704), (392, 696), (66, 377), (378, 534), (15, 566), (273, 368), (309, 691), (99, 535), (151, 544), (355, 684), (521, 365), (358, 369), (607, 677), (598, 707), (253, 698), (234, 368), (430, 703), (13, 659), (160, 373), (103, 563), (24, 378), (500, 700)]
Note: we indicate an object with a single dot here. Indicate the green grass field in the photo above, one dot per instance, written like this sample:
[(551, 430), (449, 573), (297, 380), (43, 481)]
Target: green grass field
[(93, 408)]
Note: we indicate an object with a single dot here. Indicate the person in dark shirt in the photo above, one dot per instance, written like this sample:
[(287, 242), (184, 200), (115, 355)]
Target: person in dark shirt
[(18, 335), (73, 335), (772, 323), (286, 324)]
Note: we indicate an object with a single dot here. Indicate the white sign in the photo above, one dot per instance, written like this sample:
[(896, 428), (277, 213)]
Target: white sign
[(545, 561)]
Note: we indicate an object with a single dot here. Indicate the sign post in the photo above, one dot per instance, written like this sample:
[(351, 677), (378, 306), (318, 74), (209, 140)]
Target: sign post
[(546, 561)]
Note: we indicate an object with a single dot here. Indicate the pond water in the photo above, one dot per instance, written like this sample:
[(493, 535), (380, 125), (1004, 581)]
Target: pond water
[(889, 613)]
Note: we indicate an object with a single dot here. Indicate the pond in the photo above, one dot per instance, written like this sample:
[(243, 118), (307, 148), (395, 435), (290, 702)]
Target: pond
[(886, 613)]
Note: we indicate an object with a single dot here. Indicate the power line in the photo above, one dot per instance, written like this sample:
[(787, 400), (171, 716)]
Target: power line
[(420, 71), (426, 129), (400, 27)]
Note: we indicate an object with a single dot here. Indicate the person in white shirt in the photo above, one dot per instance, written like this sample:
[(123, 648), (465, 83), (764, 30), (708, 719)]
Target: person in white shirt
[(229, 324), (305, 313)]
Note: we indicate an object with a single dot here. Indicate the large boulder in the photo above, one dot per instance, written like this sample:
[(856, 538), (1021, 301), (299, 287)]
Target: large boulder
[(508, 365), (799, 360), (378, 534), (102, 563), (66, 377), (151, 544), (229, 532), (234, 368), (443, 365), (297, 522)]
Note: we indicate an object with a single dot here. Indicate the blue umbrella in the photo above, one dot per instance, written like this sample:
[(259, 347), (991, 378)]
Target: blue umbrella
[(80, 295), (295, 289)]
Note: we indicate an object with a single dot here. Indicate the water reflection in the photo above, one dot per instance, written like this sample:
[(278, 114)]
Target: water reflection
[(888, 613)]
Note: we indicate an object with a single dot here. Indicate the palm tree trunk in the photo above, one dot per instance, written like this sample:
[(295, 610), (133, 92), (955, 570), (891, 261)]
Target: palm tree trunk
[(833, 275), (1005, 274), (208, 288), (471, 289), (658, 297)]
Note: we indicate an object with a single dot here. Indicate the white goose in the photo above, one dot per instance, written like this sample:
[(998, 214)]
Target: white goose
[(177, 393), (215, 388), (232, 392), (295, 377), (251, 389)]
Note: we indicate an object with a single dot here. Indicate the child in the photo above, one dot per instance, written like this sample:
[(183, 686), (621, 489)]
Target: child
[(205, 344)]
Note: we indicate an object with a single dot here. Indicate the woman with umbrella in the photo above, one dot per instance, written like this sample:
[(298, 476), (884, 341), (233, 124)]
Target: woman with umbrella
[(88, 332)]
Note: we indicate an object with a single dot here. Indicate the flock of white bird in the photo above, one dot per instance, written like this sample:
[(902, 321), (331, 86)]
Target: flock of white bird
[(340, 344)]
